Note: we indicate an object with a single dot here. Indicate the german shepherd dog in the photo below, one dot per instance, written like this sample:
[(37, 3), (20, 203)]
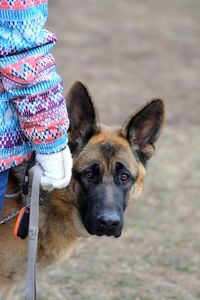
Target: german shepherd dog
[(108, 171)]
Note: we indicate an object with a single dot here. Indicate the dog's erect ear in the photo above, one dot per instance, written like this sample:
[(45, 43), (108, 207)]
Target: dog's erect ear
[(82, 116), (143, 129)]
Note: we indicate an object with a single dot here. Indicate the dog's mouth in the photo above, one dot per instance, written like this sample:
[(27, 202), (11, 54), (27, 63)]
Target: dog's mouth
[(95, 230), (104, 224), (116, 234), (106, 233)]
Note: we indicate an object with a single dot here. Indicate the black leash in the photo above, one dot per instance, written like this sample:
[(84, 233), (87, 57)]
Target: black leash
[(24, 190)]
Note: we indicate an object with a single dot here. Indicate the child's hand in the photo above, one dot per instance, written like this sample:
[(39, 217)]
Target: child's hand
[(57, 169)]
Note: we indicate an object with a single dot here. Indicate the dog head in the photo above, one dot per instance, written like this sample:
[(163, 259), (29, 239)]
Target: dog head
[(109, 163)]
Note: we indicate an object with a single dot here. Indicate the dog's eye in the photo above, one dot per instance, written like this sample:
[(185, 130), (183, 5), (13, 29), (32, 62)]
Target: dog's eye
[(88, 174), (124, 177)]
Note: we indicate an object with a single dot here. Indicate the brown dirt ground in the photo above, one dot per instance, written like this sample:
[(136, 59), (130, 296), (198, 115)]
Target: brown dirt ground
[(127, 52)]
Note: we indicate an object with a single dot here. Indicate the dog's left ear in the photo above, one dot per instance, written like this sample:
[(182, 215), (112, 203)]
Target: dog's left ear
[(144, 127)]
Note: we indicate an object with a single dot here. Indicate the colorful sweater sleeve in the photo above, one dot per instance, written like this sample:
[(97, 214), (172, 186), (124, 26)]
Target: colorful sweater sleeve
[(28, 74)]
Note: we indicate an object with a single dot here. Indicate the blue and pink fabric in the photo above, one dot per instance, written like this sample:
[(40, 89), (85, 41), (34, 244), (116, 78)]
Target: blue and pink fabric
[(33, 116)]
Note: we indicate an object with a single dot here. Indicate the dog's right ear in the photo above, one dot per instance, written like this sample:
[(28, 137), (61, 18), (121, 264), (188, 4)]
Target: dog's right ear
[(82, 116)]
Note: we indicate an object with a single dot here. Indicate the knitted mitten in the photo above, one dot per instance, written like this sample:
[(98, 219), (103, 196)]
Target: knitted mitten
[(57, 169)]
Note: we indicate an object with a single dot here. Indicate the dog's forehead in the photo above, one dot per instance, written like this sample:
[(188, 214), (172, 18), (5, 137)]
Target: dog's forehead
[(109, 146)]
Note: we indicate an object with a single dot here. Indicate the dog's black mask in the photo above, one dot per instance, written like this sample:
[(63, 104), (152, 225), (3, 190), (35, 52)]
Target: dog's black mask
[(103, 198)]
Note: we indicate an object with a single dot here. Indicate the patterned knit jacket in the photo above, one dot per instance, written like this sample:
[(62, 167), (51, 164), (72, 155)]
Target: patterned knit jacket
[(33, 115)]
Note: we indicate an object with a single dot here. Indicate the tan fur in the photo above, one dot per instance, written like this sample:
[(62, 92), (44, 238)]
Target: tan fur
[(60, 226)]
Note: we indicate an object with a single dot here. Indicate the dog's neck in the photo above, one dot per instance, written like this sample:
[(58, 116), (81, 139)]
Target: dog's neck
[(65, 206)]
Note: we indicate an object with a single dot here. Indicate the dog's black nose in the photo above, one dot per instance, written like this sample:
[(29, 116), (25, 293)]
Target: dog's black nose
[(108, 221)]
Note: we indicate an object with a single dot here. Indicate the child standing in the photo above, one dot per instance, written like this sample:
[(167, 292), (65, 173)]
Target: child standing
[(33, 115)]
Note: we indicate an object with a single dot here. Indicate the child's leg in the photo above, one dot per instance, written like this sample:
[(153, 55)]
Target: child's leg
[(3, 185)]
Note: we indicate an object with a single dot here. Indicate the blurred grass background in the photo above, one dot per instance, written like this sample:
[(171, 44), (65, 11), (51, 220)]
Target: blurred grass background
[(127, 52)]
